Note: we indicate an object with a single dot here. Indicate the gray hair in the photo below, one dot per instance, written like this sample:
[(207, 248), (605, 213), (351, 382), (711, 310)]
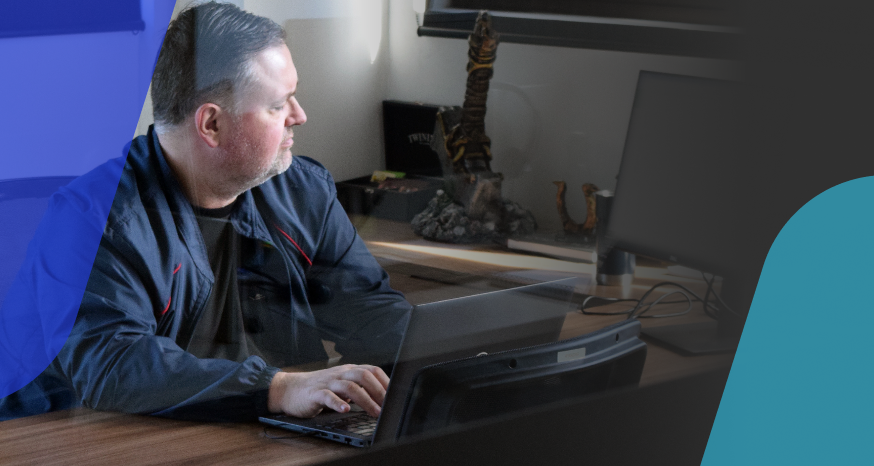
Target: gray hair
[(206, 57)]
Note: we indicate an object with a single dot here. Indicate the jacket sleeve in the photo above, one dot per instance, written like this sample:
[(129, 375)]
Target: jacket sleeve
[(353, 301), (115, 361)]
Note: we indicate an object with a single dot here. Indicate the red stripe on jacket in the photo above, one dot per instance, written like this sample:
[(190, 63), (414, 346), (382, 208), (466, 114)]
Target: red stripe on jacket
[(295, 245)]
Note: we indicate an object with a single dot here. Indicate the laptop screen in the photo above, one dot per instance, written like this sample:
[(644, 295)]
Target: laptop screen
[(465, 327)]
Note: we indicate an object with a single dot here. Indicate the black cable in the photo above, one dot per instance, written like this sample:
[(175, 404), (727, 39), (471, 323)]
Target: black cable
[(612, 300), (657, 301), (707, 297), (639, 303), (718, 298), (632, 313)]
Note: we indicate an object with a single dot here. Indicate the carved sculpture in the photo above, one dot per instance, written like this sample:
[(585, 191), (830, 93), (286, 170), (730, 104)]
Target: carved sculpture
[(471, 207), (466, 149), (568, 224), (467, 141)]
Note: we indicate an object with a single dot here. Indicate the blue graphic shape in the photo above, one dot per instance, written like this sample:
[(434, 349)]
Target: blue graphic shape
[(50, 17), (800, 387), (70, 103)]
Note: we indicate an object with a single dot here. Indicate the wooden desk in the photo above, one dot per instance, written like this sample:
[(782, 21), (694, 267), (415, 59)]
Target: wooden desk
[(91, 437), (425, 277)]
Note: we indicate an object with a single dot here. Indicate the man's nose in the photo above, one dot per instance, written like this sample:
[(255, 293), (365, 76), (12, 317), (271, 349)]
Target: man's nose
[(297, 116)]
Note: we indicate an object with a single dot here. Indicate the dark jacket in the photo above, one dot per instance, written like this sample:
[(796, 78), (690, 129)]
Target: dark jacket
[(151, 279)]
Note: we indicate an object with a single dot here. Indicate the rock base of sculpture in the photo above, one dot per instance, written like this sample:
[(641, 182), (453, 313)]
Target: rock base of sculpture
[(446, 221)]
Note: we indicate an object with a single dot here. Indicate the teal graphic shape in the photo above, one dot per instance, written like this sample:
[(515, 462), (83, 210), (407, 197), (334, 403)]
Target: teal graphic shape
[(800, 389)]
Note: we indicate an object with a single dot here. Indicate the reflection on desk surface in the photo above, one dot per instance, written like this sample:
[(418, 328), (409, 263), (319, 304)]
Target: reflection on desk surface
[(87, 436), (427, 276)]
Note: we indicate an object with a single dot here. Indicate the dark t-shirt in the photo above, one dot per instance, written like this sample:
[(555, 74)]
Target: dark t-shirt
[(221, 331)]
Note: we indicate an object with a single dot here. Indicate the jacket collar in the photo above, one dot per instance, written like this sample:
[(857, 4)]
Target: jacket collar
[(246, 219)]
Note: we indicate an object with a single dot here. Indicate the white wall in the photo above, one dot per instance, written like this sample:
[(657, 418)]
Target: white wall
[(342, 82), (553, 114)]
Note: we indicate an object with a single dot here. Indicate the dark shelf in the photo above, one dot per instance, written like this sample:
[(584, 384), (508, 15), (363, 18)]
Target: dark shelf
[(625, 35)]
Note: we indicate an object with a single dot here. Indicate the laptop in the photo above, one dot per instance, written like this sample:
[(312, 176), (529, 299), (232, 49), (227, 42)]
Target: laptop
[(454, 393), (445, 331)]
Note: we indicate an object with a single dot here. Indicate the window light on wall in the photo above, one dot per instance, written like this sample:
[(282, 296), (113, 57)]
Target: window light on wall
[(368, 25)]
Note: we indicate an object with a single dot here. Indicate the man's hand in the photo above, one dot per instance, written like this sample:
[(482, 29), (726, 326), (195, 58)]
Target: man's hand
[(305, 394)]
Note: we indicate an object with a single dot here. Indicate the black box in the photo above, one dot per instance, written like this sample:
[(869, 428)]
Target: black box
[(394, 199), (409, 128)]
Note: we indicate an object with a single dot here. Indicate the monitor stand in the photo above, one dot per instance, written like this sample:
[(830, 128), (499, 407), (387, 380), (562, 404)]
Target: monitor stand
[(694, 339)]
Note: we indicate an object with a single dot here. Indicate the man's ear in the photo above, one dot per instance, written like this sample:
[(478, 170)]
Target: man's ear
[(206, 119)]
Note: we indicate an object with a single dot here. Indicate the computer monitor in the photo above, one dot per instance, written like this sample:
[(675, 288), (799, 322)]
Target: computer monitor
[(676, 194)]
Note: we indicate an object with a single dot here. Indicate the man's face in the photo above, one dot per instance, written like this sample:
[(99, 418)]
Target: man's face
[(258, 140)]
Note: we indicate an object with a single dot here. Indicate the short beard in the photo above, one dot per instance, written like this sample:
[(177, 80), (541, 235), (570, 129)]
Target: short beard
[(235, 181), (235, 171)]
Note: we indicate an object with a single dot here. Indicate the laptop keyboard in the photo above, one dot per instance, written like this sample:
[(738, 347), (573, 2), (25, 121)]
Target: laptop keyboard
[(361, 424)]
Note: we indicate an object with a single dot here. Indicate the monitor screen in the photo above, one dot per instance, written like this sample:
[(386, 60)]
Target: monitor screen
[(675, 188)]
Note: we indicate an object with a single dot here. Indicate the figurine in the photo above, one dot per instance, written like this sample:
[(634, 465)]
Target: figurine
[(471, 207), (568, 224)]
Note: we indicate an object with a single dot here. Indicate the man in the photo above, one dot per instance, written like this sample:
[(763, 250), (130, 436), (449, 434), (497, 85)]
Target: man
[(224, 257)]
